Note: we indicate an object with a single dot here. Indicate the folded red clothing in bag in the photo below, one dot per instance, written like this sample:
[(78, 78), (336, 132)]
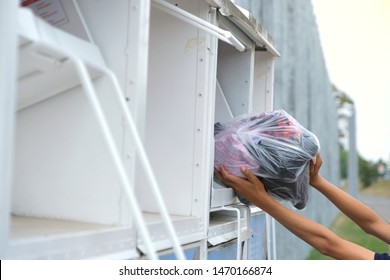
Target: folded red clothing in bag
[(273, 146)]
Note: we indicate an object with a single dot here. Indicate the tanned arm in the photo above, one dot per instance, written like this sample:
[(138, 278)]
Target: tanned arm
[(311, 232), (357, 211)]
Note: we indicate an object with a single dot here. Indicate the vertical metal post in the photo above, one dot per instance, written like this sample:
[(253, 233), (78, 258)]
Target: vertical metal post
[(136, 210), (271, 239), (353, 169), (141, 153), (137, 60), (239, 239), (268, 235), (8, 59)]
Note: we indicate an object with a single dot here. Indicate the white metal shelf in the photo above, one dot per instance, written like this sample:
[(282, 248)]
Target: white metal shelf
[(41, 238), (224, 226), (38, 65), (43, 70), (188, 229)]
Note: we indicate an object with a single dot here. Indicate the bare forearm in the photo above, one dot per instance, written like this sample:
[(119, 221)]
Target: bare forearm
[(357, 211), (313, 233), (302, 227), (309, 231)]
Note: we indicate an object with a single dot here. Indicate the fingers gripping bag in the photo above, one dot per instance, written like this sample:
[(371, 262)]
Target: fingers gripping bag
[(274, 147)]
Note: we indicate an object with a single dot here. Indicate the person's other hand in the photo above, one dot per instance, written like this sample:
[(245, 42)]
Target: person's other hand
[(315, 177)]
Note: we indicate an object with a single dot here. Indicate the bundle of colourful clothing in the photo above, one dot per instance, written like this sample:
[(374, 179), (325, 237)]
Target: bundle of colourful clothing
[(274, 147)]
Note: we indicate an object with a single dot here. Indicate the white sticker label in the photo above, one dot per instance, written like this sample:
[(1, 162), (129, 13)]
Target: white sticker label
[(49, 10)]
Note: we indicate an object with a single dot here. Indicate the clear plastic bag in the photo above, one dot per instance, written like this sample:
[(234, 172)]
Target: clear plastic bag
[(274, 147)]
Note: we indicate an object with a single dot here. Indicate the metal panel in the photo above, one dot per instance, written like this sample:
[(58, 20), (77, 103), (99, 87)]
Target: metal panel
[(263, 85), (224, 226), (58, 162), (226, 251), (191, 253), (178, 131), (8, 74), (188, 230), (258, 241), (33, 238), (177, 59), (245, 84), (66, 167), (234, 73), (39, 183), (39, 65)]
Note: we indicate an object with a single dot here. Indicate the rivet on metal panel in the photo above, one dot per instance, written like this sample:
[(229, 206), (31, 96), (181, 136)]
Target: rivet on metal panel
[(201, 59), (197, 165), (198, 130), (200, 94), (242, 104)]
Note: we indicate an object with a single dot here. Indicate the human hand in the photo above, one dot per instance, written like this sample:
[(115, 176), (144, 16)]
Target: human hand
[(315, 177), (249, 187)]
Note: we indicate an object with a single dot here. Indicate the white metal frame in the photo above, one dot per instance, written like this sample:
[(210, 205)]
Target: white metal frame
[(199, 23), (90, 92), (137, 90), (8, 58), (242, 240), (136, 210)]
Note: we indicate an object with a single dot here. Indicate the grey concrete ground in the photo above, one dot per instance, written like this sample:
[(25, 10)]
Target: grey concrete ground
[(378, 203)]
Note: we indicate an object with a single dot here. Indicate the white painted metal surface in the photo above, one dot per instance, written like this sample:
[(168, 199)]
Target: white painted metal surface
[(155, 191), (235, 76), (177, 110), (46, 126), (8, 58), (136, 211), (22, 190), (199, 23), (167, 77), (92, 96), (38, 238)]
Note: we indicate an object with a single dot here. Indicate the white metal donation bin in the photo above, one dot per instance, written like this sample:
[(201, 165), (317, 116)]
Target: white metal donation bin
[(112, 128)]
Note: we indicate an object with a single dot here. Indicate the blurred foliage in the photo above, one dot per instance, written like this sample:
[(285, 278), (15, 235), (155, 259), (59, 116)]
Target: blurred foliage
[(368, 172)]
